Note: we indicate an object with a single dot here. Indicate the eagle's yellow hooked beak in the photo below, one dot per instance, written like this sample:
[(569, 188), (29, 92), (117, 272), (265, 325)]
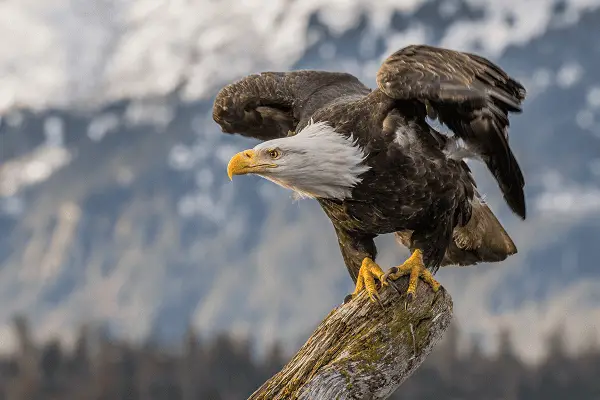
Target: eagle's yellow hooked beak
[(246, 162)]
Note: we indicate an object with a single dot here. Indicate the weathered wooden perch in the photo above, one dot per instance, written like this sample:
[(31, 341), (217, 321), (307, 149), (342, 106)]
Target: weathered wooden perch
[(364, 351)]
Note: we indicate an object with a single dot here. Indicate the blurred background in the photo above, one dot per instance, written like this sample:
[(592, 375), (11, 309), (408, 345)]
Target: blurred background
[(131, 268)]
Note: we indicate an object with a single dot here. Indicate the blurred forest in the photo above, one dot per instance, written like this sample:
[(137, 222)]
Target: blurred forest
[(98, 368)]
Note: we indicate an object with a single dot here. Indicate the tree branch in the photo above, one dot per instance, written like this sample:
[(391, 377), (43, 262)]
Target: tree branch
[(364, 351)]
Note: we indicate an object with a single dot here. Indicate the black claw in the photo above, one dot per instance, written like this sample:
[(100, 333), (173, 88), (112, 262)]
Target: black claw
[(380, 303), (396, 288), (392, 270), (409, 297), (348, 298)]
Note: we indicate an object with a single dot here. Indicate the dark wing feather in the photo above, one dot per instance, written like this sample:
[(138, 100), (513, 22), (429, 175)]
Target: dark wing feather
[(469, 94), (269, 105)]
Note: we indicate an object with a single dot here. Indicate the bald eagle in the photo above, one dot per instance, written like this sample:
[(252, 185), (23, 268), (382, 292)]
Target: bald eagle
[(375, 163)]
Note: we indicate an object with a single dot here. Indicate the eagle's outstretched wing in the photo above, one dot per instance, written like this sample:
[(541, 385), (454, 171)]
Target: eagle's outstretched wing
[(269, 105), (471, 96)]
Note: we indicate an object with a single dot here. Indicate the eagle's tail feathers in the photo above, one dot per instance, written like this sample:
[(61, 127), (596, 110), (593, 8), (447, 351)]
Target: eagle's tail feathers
[(482, 239)]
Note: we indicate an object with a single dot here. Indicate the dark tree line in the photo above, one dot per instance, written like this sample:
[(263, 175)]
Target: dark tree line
[(450, 375), (99, 368)]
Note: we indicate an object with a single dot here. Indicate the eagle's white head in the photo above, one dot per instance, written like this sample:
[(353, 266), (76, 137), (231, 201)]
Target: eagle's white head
[(316, 162)]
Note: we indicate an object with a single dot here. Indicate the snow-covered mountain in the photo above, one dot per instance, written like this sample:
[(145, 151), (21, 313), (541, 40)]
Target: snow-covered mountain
[(116, 208)]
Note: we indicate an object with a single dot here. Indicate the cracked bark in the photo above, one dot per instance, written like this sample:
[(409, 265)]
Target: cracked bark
[(362, 350)]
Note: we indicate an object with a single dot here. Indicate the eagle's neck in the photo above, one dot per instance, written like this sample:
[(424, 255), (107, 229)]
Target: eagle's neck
[(330, 165)]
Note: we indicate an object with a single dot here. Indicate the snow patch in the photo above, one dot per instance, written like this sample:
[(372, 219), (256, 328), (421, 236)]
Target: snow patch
[(81, 53), (31, 168)]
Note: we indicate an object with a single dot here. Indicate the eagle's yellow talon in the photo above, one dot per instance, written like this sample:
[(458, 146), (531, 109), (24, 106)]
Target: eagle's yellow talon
[(367, 275), (414, 267)]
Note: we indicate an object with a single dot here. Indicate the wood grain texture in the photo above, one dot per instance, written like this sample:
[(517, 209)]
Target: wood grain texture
[(362, 350)]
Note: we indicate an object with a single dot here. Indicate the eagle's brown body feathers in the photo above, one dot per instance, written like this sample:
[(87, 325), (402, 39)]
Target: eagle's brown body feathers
[(413, 188)]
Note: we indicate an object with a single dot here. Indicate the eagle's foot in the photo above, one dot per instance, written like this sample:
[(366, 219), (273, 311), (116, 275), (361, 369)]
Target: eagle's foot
[(416, 269), (368, 274)]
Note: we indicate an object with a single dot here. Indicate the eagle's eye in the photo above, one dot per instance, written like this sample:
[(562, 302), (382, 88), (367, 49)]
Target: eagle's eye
[(274, 154)]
